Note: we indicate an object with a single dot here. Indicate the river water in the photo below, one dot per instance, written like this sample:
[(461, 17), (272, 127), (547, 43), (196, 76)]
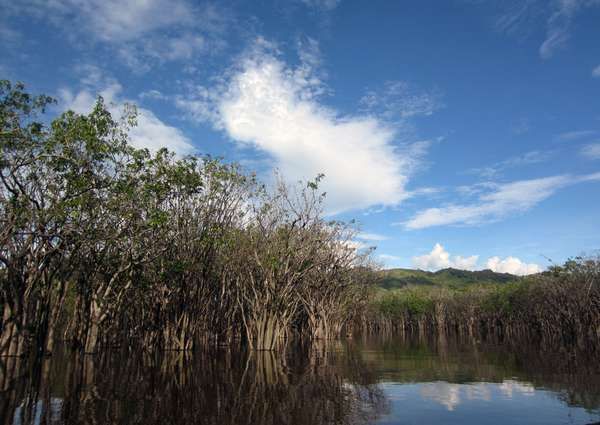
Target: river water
[(360, 381)]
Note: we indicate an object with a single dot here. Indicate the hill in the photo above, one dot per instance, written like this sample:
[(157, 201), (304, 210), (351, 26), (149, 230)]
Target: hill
[(398, 278)]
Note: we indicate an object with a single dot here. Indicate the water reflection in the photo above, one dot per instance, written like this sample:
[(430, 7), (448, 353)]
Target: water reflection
[(358, 382), (222, 387), (429, 381)]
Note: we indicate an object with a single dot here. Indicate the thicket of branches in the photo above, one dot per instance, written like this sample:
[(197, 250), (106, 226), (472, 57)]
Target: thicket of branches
[(560, 306), (102, 244)]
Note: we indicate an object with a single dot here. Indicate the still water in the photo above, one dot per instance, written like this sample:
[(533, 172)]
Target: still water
[(389, 381)]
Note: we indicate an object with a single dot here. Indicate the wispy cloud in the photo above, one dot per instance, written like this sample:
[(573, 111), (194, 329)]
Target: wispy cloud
[(518, 16), (389, 261), (596, 72), (8, 35), (152, 94), (527, 158), (498, 202), (558, 26), (275, 108), (591, 151), (150, 132), (372, 237), (398, 100), (520, 127), (322, 5), (575, 135), (141, 33), (439, 258)]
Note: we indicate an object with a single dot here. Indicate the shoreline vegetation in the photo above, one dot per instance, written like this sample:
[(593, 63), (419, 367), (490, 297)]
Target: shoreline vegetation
[(104, 245), (559, 307)]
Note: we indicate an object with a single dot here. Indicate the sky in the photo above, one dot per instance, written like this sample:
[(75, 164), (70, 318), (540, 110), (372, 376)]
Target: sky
[(458, 133)]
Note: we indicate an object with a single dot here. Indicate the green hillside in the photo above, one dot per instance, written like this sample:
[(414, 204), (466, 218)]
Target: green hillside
[(399, 278)]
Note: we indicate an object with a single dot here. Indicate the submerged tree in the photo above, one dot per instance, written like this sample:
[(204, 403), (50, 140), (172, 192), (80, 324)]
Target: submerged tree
[(103, 244)]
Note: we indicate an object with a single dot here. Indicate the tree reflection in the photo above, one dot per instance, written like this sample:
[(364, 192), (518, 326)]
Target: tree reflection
[(571, 374), (224, 387)]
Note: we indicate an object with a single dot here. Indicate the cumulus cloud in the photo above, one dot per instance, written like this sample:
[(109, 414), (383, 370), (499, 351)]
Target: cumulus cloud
[(439, 258), (444, 393), (591, 151), (496, 202), (150, 132), (512, 265), (276, 109)]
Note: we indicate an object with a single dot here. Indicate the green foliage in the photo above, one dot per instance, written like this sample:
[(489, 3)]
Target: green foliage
[(411, 301), (560, 304), (123, 244), (399, 278)]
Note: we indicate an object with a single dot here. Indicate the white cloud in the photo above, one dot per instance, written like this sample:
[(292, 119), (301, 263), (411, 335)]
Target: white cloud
[(528, 158), (508, 387), (516, 16), (559, 24), (591, 151), (519, 16), (399, 100), (388, 261), (265, 104), (118, 20), (500, 201), (575, 135), (8, 35), (512, 265), (152, 94), (125, 20), (444, 393), (356, 245), (150, 132), (371, 237), (139, 31), (439, 258), (558, 27), (387, 257), (596, 72), (324, 5)]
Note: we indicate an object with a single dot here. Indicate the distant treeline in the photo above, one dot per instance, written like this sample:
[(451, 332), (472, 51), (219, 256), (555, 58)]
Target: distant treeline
[(559, 306), (456, 278), (105, 245)]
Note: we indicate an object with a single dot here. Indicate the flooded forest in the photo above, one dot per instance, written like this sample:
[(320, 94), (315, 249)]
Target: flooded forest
[(145, 287)]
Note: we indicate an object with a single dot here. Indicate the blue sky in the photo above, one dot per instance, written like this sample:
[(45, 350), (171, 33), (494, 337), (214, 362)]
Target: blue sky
[(459, 133)]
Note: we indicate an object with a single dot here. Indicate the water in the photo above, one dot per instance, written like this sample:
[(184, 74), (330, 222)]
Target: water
[(352, 382)]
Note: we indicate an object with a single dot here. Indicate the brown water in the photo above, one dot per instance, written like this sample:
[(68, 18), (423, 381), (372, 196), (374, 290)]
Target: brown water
[(352, 382)]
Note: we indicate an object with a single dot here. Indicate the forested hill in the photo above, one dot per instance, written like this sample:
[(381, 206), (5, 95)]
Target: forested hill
[(398, 278)]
